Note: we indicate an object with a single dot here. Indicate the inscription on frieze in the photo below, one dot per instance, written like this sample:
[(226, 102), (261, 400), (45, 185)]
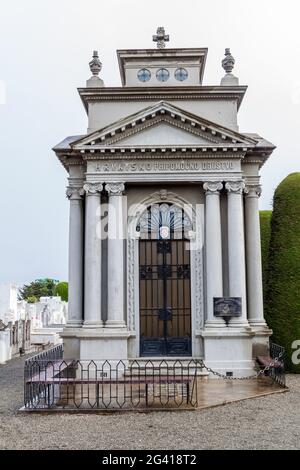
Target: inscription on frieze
[(166, 166)]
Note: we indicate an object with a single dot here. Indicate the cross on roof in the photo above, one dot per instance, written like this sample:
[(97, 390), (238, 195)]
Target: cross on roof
[(160, 37)]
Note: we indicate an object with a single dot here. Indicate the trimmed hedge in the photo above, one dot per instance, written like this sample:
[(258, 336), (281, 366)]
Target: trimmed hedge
[(283, 293), (265, 235)]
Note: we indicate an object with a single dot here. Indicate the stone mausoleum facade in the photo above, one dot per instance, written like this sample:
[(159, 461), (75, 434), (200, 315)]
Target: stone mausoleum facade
[(164, 246)]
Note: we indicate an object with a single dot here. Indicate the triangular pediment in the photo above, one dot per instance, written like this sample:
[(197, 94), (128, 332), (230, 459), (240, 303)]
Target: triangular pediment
[(162, 133), (163, 125)]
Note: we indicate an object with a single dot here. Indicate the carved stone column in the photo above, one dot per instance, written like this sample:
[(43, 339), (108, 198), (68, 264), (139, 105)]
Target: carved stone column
[(213, 248), (236, 246), (115, 256), (75, 315), (253, 257), (92, 256)]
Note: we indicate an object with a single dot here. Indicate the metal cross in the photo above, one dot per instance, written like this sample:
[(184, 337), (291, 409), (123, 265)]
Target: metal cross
[(160, 37)]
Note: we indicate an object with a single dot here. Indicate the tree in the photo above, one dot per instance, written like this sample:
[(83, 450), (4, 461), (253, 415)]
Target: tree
[(265, 234), (38, 288), (283, 295), (61, 289), (32, 299)]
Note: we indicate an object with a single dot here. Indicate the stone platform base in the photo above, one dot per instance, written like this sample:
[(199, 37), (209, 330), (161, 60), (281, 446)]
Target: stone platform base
[(95, 344)]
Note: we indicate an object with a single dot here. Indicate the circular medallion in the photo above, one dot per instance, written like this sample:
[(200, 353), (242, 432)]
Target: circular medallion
[(144, 75), (181, 74), (162, 75)]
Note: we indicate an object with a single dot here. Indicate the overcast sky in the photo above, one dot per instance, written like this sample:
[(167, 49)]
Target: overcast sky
[(45, 47)]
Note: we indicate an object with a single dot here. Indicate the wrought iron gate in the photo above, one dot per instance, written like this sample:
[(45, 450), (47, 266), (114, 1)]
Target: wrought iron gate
[(165, 300)]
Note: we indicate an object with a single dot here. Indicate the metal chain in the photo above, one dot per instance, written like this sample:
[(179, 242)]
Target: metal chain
[(260, 372)]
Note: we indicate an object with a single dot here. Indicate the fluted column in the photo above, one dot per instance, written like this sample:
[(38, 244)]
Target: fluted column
[(115, 256), (253, 256), (92, 256), (213, 248), (236, 246), (75, 315)]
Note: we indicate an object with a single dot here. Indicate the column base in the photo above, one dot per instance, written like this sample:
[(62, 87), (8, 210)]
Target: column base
[(74, 324), (115, 324), (239, 323), (259, 325), (218, 323), (93, 324)]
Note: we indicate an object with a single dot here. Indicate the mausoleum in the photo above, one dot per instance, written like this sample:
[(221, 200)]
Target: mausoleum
[(164, 236)]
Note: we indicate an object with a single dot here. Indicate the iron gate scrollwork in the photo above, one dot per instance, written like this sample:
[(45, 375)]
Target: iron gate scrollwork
[(165, 300)]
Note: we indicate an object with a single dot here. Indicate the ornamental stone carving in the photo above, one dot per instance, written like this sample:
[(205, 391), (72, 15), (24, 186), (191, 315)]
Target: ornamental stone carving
[(236, 187), (228, 61), (160, 37), (163, 194), (212, 187), (115, 189), (92, 188), (253, 190), (74, 193), (95, 64)]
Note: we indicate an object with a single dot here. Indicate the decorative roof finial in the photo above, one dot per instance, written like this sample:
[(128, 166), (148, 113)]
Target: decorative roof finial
[(228, 61), (95, 64), (228, 64), (160, 37), (95, 67)]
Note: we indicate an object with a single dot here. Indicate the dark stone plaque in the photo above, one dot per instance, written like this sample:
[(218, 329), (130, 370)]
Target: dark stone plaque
[(227, 307)]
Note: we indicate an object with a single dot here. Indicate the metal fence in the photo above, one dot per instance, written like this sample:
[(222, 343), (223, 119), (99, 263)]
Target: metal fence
[(277, 371), (52, 382), (110, 384)]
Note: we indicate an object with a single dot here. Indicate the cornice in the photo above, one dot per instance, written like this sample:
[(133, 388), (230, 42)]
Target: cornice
[(165, 93), (107, 154)]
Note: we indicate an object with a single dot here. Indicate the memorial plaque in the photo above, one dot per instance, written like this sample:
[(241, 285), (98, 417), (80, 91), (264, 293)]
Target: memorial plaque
[(227, 307)]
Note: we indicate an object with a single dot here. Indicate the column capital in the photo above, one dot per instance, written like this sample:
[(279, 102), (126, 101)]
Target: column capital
[(212, 187), (115, 189), (92, 188), (235, 187), (253, 190), (74, 193)]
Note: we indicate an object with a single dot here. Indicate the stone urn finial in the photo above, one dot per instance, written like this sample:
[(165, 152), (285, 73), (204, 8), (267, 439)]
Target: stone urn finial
[(228, 61), (228, 64), (95, 64), (95, 67)]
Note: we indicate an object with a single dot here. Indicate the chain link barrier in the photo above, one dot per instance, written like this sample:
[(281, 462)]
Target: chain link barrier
[(256, 376)]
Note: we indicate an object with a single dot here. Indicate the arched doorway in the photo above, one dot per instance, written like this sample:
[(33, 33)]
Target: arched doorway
[(164, 281)]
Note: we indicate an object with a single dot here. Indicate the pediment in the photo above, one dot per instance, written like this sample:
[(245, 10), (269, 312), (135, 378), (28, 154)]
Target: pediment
[(161, 133), (163, 125)]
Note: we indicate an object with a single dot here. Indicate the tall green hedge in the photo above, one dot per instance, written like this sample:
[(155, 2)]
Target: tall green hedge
[(265, 234), (283, 294)]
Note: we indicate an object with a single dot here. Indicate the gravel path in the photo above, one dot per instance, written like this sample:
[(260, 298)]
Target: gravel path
[(263, 423)]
